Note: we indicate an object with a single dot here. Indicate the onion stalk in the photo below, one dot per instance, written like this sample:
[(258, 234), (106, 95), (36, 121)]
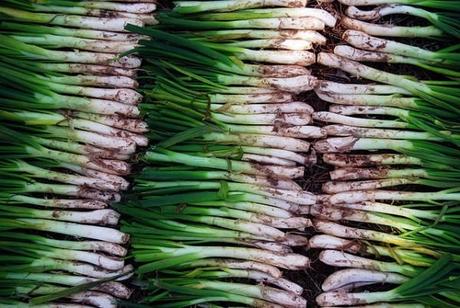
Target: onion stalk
[(229, 35), (424, 286), (100, 23), (445, 5), (391, 30), (444, 21), (322, 15), (186, 7)]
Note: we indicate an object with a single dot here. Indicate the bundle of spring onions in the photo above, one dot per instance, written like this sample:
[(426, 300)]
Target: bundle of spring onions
[(69, 124), (385, 118), (276, 32), (390, 216), (215, 212)]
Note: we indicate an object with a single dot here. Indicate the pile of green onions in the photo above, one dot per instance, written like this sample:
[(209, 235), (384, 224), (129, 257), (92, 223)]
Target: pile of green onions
[(390, 212), (69, 125), (216, 212), (218, 209)]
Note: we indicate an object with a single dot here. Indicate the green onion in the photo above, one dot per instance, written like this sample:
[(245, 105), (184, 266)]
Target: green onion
[(335, 258), (228, 35), (63, 6), (394, 31), (100, 23), (14, 48), (189, 7), (358, 196), (69, 32), (55, 41), (349, 278), (438, 4), (424, 285), (174, 253), (283, 23), (41, 283), (157, 174), (233, 292), (323, 15), (445, 21), (87, 231), (368, 160), (90, 246), (431, 156), (422, 258), (222, 164)]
